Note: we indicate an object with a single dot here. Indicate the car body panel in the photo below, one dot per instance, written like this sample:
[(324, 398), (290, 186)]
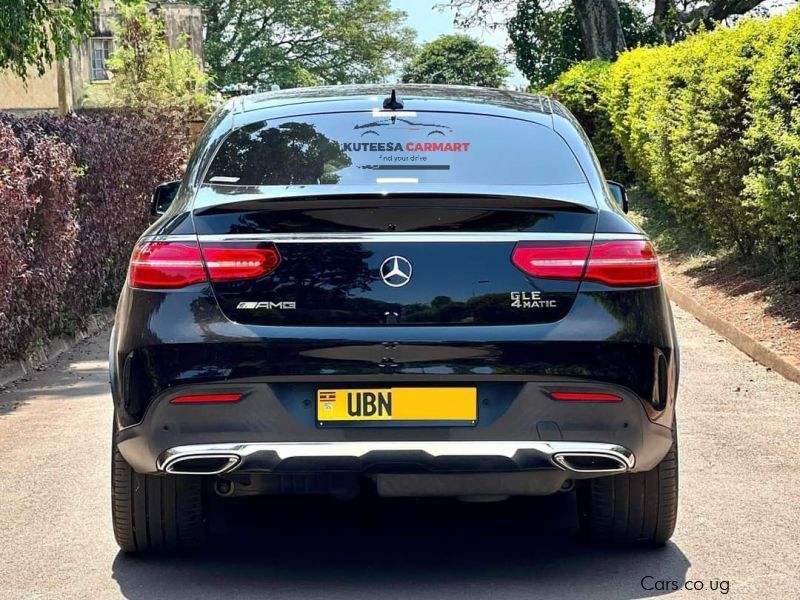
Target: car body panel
[(194, 340)]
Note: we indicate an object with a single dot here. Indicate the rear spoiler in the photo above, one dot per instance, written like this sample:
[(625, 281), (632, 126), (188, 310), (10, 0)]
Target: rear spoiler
[(223, 198)]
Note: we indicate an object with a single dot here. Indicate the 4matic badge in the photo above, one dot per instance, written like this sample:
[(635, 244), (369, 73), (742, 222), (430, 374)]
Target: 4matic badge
[(530, 300)]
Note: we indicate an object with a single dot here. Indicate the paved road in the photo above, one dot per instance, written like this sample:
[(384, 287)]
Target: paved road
[(739, 519)]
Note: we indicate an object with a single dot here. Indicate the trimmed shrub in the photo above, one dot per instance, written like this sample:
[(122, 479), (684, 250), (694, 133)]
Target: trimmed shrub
[(772, 187), (682, 126), (38, 221), (712, 126), (74, 196), (582, 90)]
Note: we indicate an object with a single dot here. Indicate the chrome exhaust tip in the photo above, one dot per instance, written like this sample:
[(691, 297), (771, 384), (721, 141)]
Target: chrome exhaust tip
[(592, 462), (201, 464)]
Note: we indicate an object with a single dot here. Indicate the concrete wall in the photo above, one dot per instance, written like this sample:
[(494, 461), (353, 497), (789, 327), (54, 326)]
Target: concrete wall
[(39, 94)]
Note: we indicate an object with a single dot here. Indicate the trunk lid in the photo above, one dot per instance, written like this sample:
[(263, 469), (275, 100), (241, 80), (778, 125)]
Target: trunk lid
[(394, 217), (379, 261)]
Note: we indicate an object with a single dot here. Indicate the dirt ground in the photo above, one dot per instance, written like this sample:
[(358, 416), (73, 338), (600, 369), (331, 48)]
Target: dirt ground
[(752, 299)]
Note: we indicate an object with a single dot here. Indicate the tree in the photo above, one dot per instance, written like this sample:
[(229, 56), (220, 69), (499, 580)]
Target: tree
[(304, 42), (548, 42), (600, 21), (146, 73), (601, 29), (674, 23), (456, 59), (34, 33)]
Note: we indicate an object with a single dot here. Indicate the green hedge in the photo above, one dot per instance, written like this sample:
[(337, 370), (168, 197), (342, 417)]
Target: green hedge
[(711, 125)]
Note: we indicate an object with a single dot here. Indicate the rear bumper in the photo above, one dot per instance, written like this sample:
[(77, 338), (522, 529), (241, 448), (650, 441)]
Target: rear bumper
[(162, 341), (180, 343), (216, 459), (274, 429)]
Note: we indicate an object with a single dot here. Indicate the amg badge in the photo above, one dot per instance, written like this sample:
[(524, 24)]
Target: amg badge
[(266, 305)]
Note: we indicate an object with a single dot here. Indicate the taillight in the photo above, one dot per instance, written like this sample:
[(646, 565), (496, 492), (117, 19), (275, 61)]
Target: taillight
[(166, 265), (623, 263), (618, 263), (227, 262), (551, 260), (172, 265)]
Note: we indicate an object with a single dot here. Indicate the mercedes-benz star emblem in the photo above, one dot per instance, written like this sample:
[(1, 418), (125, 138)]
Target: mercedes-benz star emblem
[(396, 271)]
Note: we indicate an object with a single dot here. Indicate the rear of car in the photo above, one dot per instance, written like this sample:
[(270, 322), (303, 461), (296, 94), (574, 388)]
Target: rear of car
[(435, 299)]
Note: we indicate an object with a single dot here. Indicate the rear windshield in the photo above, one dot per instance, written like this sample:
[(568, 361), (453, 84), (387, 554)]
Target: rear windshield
[(370, 149)]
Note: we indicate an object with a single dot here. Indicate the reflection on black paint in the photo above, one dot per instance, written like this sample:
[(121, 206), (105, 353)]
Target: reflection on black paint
[(487, 308), (371, 217), (337, 284), (292, 154), (315, 280)]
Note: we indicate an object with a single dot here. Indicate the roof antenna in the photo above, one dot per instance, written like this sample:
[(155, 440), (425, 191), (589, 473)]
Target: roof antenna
[(392, 103)]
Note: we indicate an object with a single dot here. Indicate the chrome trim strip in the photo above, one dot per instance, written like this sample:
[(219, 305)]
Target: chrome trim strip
[(620, 236), (393, 236), (384, 236), (287, 450), (169, 238)]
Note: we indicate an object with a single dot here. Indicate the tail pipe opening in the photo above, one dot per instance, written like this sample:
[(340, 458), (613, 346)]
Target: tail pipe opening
[(202, 464), (592, 462)]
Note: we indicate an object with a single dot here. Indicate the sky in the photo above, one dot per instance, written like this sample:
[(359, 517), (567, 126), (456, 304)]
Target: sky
[(431, 22)]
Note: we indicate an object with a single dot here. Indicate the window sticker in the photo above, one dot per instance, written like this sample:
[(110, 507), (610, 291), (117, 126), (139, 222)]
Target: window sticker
[(398, 144), (406, 147)]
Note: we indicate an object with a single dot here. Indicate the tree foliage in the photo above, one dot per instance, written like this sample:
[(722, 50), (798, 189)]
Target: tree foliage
[(304, 42), (456, 59), (148, 74), (599, 21), (548, 42), (710, 125), (34, 33), (675, 19)]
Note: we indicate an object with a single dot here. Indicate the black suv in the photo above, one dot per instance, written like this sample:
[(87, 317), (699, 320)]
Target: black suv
[(426, 291)]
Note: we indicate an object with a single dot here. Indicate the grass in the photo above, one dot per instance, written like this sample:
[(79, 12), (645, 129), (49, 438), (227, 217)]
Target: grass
[(670, 235)]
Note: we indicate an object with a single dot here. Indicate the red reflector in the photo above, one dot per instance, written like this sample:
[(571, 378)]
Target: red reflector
[(585, 397), (226, 262), (165, 265), (551, 260), (623, 263), (205, 398)]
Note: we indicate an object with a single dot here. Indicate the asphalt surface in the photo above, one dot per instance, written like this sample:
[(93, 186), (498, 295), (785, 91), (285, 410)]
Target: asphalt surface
[(738, 529)]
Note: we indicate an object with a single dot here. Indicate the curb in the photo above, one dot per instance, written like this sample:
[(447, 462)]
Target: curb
[(20, 369), (779, 363)]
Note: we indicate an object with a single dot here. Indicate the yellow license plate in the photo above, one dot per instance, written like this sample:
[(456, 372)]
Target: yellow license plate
[(398, 405)]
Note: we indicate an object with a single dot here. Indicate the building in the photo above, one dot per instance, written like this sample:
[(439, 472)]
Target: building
[(63, 85)]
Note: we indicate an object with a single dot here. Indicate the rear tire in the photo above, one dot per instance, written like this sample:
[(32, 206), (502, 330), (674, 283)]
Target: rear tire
[(633, 508), (155, 513)]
